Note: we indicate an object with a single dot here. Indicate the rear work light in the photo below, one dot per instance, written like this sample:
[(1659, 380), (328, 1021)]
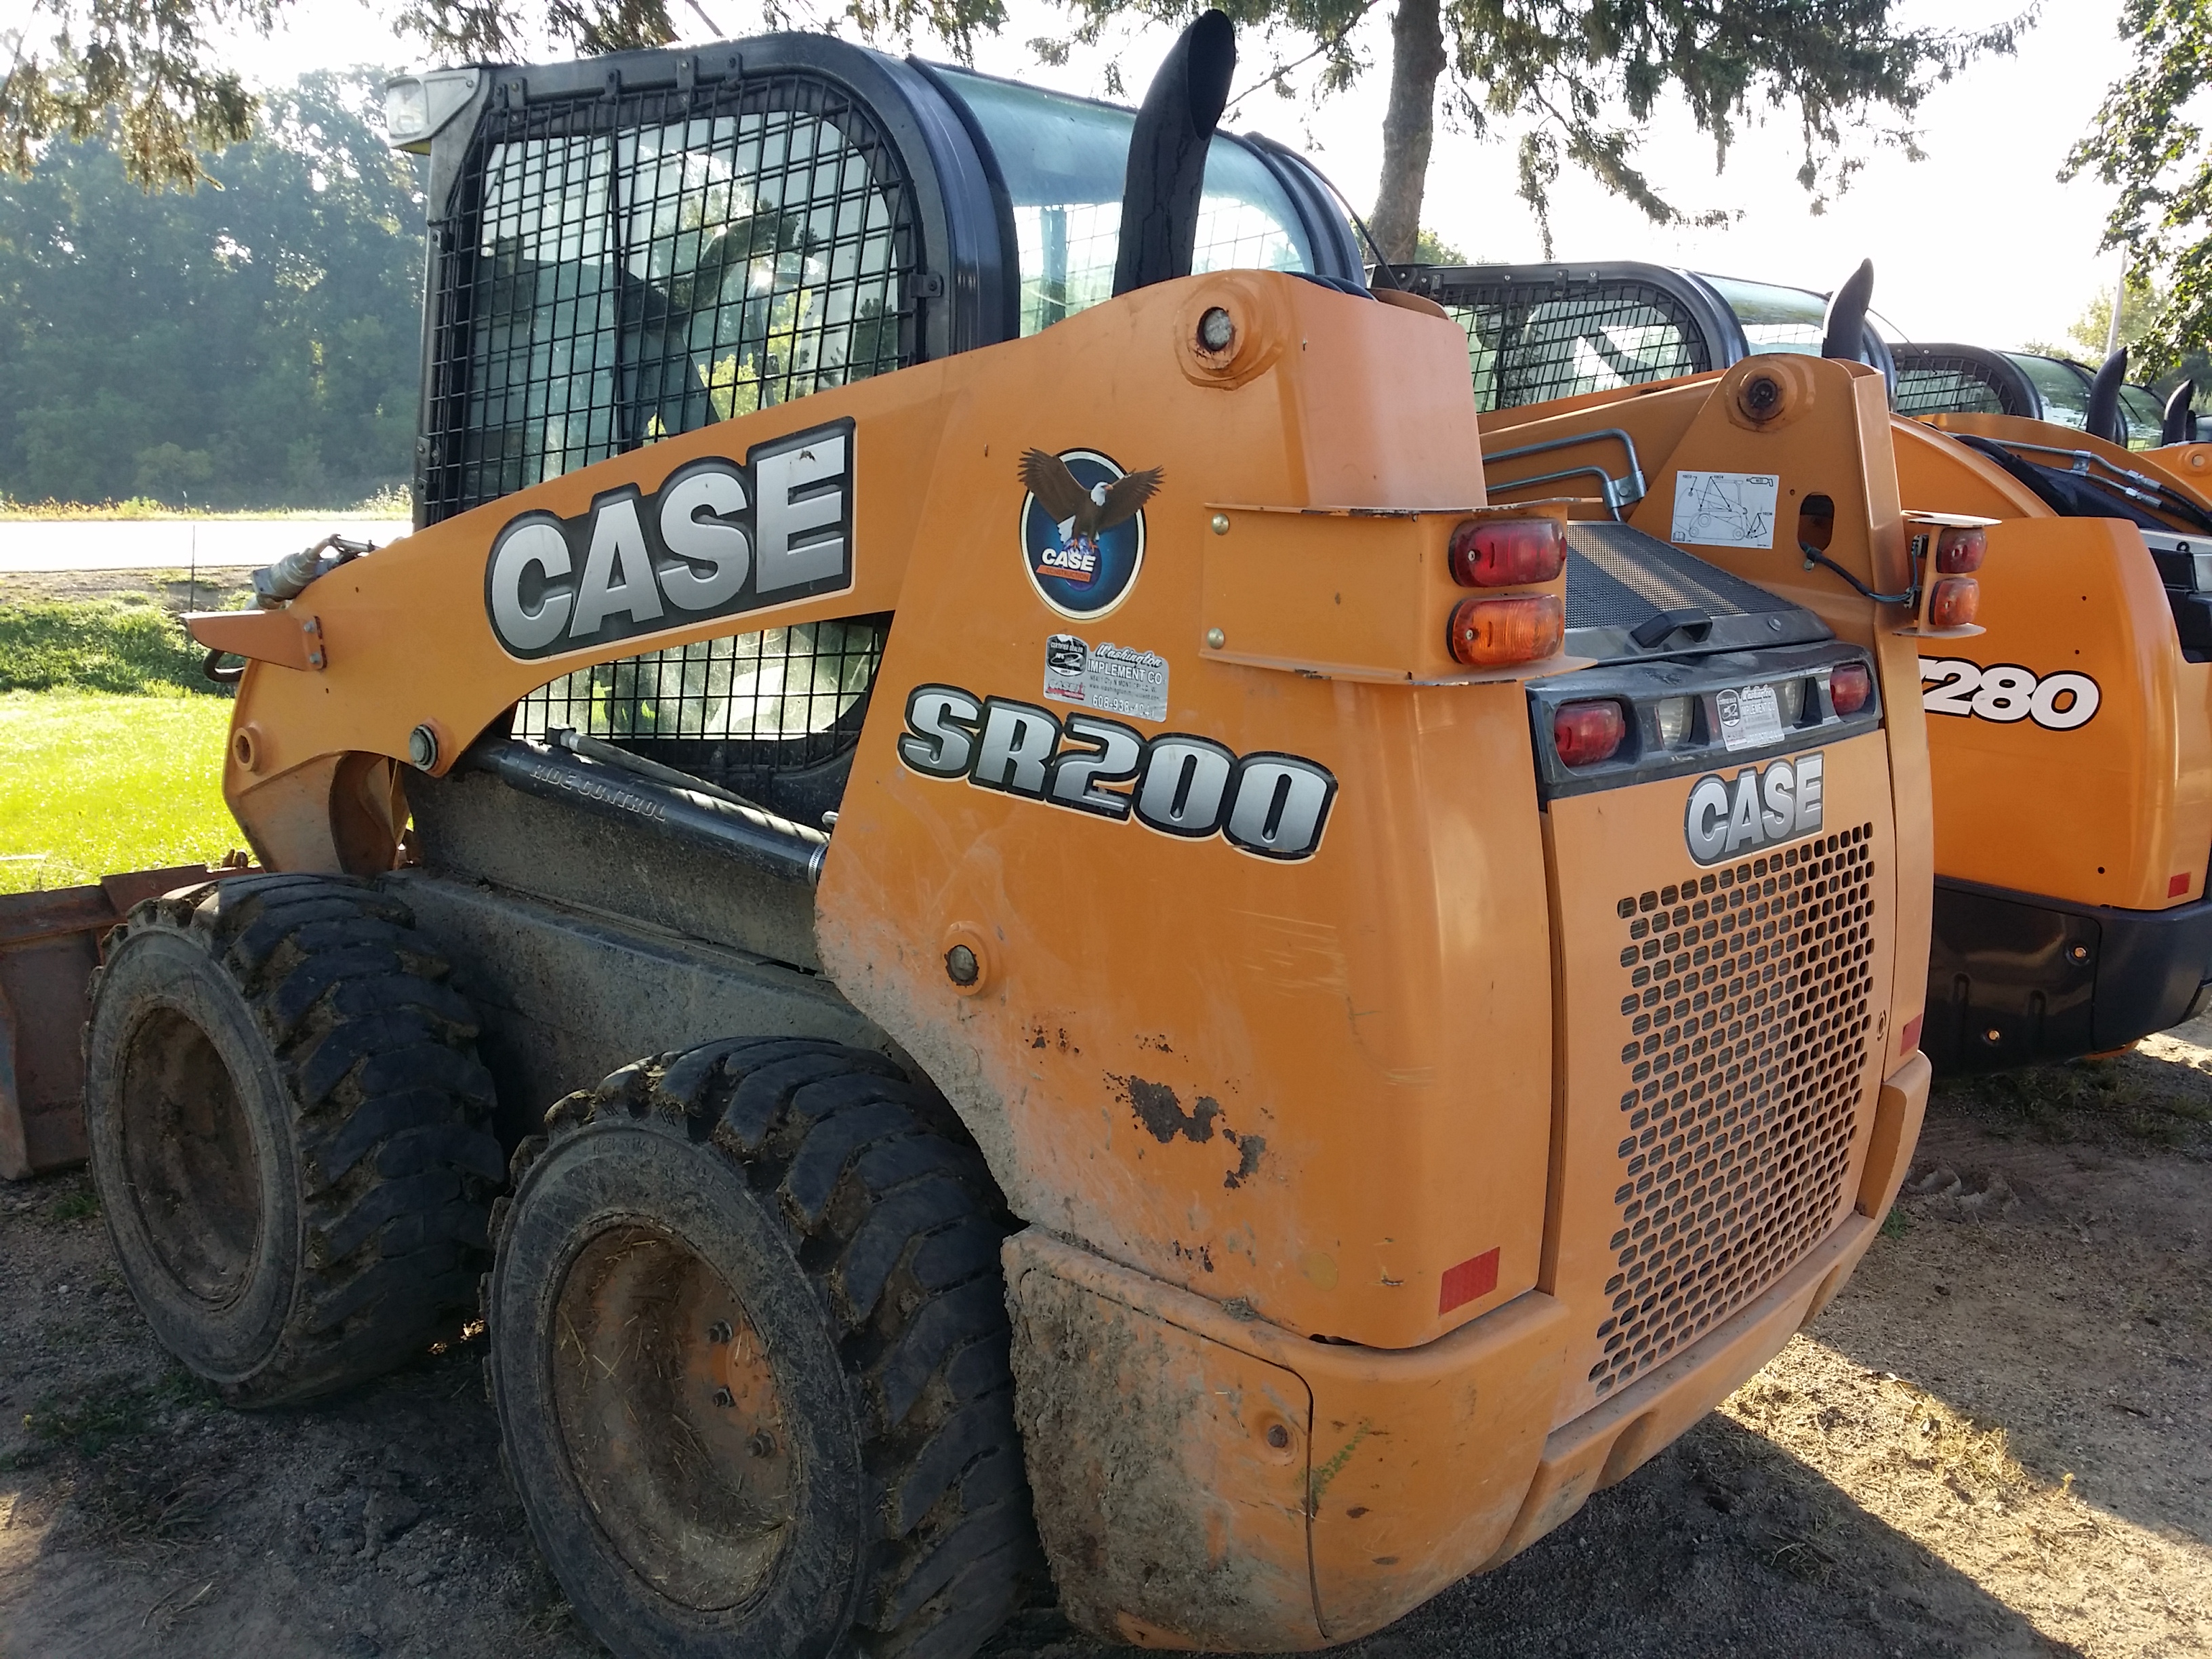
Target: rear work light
[(1850, 685), (1959, 550), (1587, 733), (1508, 552), (1498, 633), (1954, 602)]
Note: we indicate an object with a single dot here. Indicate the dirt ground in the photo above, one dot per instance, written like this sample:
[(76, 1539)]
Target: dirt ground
[(1993, 1443)]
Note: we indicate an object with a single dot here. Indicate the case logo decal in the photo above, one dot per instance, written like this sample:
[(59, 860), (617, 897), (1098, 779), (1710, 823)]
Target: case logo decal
[(717, 539), (1759, 807), (1082, 528), (1269, 805)]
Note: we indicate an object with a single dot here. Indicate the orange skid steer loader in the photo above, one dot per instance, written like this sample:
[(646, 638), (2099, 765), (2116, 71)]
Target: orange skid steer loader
[(2070, 744), (1013, 930)]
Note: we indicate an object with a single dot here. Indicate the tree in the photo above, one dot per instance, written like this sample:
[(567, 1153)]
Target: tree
[(253, 345), (2142, 141), (72, 64), (1580, 77)]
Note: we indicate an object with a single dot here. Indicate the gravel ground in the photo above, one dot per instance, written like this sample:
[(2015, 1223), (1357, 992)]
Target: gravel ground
[(1992, 1443)]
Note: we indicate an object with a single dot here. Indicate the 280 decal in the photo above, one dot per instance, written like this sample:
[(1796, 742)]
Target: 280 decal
[(1270, 804), (715, 540), (2006, 692)]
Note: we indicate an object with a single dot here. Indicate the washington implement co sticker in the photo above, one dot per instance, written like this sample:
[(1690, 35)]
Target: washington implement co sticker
[(1083, 529)]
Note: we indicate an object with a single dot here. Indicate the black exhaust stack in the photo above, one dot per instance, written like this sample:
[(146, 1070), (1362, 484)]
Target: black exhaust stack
[(1844, 336), (2179, 426), (1167, 155), (2104, 421)]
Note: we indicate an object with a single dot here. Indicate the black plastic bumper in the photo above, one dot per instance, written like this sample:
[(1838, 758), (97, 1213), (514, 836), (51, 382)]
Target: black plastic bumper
[(2014, 978)]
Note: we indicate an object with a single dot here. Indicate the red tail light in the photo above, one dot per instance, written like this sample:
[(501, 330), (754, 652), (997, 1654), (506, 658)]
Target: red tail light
[(1954, 602), (1496, 633), (1508, 552), (1850, 686), (1959, 550), (1588, 732)]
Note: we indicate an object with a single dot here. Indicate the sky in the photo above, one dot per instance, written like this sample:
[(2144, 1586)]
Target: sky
[(1978, 242)]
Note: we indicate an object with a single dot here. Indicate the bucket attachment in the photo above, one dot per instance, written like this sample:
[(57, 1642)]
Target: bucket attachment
[(50, 943)]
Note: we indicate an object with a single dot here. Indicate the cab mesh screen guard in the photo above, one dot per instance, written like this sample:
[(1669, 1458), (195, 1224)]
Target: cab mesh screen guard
[(626, 268)]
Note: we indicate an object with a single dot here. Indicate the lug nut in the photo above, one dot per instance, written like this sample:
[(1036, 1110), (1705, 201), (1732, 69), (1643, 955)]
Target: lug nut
[(725, 1398), (763, 1444), (719, 1331)]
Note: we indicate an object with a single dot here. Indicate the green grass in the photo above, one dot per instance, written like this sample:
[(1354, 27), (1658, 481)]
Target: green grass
[(92, 783), (126, 645), (392, 503)]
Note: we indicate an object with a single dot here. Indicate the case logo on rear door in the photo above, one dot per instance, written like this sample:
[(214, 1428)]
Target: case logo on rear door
[(1759, 807), (716, 539)]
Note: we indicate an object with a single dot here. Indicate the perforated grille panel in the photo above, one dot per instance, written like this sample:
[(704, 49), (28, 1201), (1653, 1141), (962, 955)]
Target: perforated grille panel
[(1525, 345), (1745, 1024), (1936, 386)]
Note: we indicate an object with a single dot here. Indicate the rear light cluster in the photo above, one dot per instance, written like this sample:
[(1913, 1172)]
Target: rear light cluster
[(1850, 686), (1956, 597), (1954, 602), (1590, 731), (1518, 628)]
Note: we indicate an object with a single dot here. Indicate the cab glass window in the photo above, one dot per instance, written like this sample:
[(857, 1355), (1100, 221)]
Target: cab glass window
[(2063, 388), (1064, 160), (2145, 416), (1776, 319)]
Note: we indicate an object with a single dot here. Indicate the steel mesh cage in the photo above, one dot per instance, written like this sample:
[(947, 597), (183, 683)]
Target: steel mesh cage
[(624, 268), (768, 715), (1938, 386), (1527, 343)]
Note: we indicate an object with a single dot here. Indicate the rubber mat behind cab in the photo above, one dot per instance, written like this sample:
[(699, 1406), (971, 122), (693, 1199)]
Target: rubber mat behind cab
[(1620, 580)]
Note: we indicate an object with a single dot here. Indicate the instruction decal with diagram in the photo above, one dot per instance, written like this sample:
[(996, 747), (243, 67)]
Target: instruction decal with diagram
[(1725, 509)]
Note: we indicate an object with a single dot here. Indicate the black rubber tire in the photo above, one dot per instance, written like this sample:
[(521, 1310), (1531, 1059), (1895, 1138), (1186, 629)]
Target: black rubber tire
[(288, 1130), (864, 1250)]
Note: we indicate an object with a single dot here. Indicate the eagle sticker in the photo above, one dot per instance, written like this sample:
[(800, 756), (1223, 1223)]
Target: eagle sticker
[(1082, 528)]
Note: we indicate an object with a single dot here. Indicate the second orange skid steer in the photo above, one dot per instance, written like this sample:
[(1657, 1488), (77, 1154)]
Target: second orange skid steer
[(1015, 933)]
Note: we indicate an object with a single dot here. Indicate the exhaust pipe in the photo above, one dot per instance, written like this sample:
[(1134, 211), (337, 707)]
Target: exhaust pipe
[(2104, 421), (1166, 156), (2179, 426), (1844, 333)]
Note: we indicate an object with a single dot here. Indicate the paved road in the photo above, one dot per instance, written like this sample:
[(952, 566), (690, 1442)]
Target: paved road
[(136, 544)]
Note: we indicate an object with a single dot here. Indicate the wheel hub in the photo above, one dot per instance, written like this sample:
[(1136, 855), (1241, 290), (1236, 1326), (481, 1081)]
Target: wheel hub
[(671, 1417)]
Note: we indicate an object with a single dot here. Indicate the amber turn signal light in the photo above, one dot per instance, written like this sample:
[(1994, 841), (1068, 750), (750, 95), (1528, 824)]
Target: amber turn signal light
[(1498, 633), (1850, 686), (1508, 552), (1954, 602), (1585, 733), (1959, 550)]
